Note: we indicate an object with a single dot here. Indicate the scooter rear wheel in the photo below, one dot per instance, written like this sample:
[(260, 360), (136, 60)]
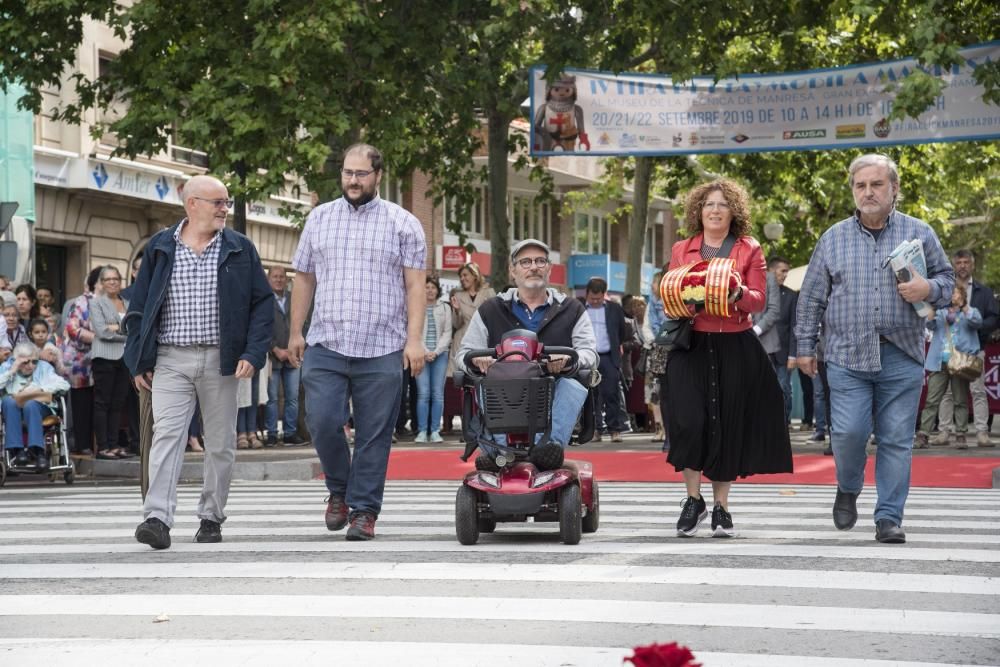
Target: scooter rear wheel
[(466, 516), (570, 523)]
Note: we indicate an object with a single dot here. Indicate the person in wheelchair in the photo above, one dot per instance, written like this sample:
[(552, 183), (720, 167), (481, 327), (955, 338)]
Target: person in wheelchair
[(557, 320), (28, 388)]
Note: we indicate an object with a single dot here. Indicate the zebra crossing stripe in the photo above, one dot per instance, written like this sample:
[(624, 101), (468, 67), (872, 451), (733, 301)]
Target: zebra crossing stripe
[(699, 547), (563, 572), (57, 652), (236, 527), (788, 617)]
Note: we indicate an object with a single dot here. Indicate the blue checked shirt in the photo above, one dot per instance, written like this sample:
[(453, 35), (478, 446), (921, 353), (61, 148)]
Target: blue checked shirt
[(190, 313), (852, 292), (358, 256)]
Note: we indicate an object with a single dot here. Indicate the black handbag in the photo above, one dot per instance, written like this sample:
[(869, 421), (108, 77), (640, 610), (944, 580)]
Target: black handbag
[(675, 334)]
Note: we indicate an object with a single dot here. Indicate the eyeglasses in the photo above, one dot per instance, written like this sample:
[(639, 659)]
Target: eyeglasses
[(30, 361), (228, 203), (527, 262), (721, 205), (360, 173), (111, 280)]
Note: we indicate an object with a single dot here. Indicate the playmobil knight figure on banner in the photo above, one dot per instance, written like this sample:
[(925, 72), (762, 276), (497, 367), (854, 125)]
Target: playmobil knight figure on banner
[(559, 120)]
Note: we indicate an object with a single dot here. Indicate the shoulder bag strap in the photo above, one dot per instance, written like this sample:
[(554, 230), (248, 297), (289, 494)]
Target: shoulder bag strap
[(727, 245)]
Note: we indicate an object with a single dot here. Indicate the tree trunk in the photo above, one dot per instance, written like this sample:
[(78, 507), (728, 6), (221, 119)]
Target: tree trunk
[(497, 193), (637, 226), (240, 210)]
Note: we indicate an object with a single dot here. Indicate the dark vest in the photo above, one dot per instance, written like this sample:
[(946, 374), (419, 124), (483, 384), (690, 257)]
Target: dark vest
[(556, 329)]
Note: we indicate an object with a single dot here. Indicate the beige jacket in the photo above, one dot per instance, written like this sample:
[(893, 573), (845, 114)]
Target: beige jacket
[(461, 317)]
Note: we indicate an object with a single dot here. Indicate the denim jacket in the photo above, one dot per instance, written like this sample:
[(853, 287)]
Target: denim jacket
[(246, 307), (964, 336)]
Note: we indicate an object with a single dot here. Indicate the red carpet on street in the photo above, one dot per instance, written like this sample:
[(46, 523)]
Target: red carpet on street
[(632, 466)]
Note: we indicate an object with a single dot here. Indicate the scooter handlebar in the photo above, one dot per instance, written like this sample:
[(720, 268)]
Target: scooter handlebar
[(477, 354), (572, 366)]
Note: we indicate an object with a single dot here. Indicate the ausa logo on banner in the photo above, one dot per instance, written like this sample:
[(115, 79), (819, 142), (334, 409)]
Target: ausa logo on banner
[(803, 134)]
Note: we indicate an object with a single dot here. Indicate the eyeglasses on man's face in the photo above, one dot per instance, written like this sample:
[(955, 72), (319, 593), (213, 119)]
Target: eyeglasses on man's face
[(528, 262), (361, 174), (228, 203)]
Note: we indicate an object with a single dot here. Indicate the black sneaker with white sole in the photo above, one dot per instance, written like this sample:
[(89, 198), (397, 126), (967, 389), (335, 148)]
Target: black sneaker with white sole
[(722, 522), (693, 512)]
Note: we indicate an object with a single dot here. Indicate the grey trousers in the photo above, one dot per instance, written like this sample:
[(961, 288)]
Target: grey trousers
[(980, 406), (183, 374)]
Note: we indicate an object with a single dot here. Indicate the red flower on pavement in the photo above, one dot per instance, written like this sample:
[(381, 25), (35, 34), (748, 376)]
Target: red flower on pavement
[(662, 655)]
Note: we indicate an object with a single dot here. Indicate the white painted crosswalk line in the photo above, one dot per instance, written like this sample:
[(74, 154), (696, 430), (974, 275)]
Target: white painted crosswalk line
[(256, 653), (567, 572), (789, 590)]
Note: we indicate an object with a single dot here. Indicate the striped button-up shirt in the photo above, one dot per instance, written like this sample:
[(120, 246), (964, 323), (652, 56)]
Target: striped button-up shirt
[(358, 256), (190, 313), (850, 290)]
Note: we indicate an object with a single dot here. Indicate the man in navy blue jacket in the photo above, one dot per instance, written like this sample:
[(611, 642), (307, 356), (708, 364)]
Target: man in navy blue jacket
[(199, 320)]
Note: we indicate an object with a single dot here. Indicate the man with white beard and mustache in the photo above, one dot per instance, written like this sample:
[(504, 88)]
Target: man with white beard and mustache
[(364, 259)]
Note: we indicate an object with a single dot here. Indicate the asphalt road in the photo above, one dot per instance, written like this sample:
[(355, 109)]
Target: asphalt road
[(76, 589)]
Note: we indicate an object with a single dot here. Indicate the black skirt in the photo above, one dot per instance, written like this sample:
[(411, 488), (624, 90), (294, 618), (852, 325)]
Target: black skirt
[(724, 408)]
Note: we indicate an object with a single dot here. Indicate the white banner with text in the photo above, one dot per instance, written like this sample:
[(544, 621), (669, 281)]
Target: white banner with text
[(600, 113)]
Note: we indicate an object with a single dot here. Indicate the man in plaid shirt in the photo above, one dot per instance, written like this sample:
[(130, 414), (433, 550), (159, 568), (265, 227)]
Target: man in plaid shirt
[(874, 351), (199, 320), (364, 259)]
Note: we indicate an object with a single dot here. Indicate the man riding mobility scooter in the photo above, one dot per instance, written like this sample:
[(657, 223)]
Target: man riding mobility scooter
[(507, 413)]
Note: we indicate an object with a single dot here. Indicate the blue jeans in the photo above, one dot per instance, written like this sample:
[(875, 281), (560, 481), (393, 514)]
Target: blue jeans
[(15, 418), (895, 394), (246, 418), (785, 380), (568, 398), (332, 382), (430, 394), (289, 377)]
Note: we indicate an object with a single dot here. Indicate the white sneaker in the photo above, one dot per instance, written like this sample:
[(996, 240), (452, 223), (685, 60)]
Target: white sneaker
[(436, 436), (421, 437)]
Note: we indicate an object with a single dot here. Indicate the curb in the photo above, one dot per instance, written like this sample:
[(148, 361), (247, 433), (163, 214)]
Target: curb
[(304, 469)]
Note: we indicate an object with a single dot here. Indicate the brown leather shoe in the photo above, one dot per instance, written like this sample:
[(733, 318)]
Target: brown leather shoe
[(336, 512), (362, 527)]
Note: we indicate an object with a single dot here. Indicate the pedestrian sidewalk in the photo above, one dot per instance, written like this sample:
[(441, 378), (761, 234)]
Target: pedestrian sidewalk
[(634, 459)]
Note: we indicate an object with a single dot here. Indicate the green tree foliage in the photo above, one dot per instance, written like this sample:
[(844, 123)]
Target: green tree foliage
[(806, 191)]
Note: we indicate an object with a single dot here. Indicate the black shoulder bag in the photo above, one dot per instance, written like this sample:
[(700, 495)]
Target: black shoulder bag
[(676, 334)]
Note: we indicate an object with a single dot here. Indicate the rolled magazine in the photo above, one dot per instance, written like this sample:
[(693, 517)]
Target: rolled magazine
[(906, 260)]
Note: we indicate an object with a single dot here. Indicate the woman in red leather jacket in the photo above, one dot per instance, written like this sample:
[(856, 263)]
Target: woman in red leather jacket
[(724, 406)]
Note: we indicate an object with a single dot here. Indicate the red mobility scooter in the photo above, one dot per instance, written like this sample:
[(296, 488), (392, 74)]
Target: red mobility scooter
[(522, 478)]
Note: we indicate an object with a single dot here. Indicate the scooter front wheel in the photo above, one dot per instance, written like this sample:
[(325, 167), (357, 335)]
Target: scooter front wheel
[(466, 516), (570, 520)]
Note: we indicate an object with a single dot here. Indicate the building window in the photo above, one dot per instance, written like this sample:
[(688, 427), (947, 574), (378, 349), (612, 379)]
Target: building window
[(390, 189), (528, 218), (473, 221), (105, 62), (184, 155), (591, 234)]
